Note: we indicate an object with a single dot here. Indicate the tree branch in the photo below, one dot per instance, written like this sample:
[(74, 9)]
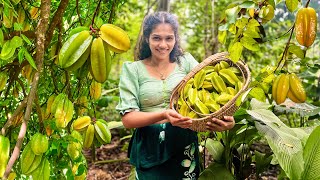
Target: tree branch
[(55, 21), (40, 41)]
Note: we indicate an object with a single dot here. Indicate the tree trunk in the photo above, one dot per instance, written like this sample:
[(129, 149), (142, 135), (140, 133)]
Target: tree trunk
[(164, 5)]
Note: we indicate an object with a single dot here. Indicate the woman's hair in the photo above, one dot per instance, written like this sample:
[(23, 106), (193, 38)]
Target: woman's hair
[(149, 23)]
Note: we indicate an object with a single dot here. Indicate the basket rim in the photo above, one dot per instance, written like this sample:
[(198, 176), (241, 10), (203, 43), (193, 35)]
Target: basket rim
[(215, 58)]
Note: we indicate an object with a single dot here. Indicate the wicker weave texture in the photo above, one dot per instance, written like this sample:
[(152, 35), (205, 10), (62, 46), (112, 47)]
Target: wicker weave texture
[(229, 108)]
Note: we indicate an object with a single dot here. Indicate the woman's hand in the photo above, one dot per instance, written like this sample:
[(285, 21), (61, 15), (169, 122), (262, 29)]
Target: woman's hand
[(221, 125), (177, 119)]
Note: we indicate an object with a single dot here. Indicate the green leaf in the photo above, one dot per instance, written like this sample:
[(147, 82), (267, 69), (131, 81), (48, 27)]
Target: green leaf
[(222, 37), (235, 51), (292, 5), (232, 29), (251, 32), (7, 51), (1, 38), (255, 104), (232, 14), (215, 148), (311, 155), (17, 27), (242, 22), (30, 59), (296, 50), (258, 93), (21, 55), (285, 142), (253, 23), (224, 27), (247, 4), (272, 3), (16, 42), (216, 171), (26, 39), (262, 161), (250, 43)]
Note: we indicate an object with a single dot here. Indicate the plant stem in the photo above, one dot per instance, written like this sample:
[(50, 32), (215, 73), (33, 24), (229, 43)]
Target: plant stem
[(95, 12)]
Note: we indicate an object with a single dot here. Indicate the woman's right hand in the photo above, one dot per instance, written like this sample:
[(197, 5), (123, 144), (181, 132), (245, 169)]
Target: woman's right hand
[(177, 119)]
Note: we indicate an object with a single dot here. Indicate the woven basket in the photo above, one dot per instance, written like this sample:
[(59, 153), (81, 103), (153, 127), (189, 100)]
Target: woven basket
[(230, 107)]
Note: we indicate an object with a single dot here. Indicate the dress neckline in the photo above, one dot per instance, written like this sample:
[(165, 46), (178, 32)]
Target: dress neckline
[(145, 70)]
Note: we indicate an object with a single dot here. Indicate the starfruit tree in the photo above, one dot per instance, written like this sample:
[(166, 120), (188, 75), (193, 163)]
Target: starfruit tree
[(55, 58)]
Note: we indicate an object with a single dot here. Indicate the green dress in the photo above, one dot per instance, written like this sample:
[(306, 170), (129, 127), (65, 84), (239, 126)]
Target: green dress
[(159, 151)]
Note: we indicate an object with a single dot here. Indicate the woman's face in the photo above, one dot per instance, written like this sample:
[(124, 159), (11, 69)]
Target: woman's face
[(161, 41)]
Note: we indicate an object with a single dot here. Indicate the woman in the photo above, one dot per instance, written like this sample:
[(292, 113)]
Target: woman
[(162, 146)]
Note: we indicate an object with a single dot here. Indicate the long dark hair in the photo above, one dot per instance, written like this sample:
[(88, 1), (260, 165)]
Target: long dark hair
[(149, 24)]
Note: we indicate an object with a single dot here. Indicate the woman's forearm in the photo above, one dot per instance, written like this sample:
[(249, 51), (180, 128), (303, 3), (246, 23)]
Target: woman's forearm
[(136, 119)]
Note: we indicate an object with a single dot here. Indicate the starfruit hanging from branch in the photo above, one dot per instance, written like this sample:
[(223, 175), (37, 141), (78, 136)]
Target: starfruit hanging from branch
[(306, 26)]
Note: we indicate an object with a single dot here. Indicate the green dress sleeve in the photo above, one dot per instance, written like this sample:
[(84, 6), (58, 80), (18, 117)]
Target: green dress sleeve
[(128, 88), (188, 62)]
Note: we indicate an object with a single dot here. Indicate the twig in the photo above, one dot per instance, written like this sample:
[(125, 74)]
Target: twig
[(95, 12), (55, 21), (112, 11), (78, 12), (285, 50)]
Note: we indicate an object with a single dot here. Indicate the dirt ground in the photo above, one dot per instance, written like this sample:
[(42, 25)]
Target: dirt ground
[(112, 163)]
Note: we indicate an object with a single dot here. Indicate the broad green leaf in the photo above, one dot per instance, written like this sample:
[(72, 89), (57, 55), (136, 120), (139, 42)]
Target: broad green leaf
[(301, 109), (250, 43), (224, 27), (262, 161), (16, 42), (7, 51), (242, 22), (247, 136), (222, 37), (232, 14), (215, 148), (255, 104), (232, 29), (284, 141), (258, 93), (296, 50), (251, 32), (26, 39), (311, 155), (216, 171), (292, 5), (272, 3), (30, 59), (247, 4), (253, 23), (235, 51)]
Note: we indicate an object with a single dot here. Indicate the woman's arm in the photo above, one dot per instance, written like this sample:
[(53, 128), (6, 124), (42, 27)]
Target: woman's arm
[(136, 119)]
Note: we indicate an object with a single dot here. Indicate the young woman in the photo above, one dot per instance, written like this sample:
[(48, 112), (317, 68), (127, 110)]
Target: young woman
[(162, 146)]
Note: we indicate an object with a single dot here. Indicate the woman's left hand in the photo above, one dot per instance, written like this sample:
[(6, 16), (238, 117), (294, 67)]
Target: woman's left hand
[(219, 125)]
